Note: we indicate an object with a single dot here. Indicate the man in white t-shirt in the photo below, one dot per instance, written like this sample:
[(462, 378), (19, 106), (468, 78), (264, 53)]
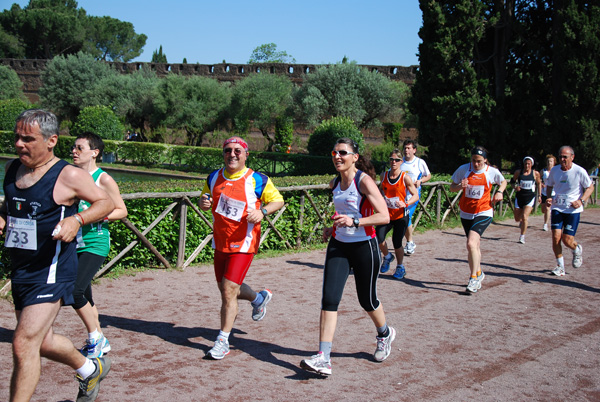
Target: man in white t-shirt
[(419, 173), (572, 187)]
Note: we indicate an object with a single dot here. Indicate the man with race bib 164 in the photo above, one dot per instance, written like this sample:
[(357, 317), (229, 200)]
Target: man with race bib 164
[(239, 199), (572, 188)]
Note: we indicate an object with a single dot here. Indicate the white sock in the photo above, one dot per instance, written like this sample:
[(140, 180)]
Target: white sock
[(561, 262), (224, 335), (94, 336), (87, 369)]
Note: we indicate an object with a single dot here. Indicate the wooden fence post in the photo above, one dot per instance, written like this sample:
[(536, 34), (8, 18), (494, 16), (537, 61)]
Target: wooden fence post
[(182, 231)]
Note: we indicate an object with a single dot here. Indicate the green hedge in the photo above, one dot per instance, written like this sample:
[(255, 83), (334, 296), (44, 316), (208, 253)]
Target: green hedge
[(191, 159)]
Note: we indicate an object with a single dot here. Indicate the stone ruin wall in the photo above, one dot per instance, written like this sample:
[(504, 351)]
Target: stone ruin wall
[(29, 71)]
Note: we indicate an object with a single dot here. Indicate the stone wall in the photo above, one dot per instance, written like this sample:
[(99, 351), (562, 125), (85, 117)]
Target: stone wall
[(29, 71)]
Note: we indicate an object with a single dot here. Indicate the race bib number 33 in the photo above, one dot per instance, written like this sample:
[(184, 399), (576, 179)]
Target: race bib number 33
[(21, 233)]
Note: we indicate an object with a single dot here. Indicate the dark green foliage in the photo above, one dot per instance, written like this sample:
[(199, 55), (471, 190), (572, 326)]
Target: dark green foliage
[(347, 90), (158, 56), (284, 132), (391, 133), (323, 139), (66, 82), (109, 39), (10, 109), (268, 53), (47, 28), (193, 104), (449, 98), (259, 100), (131, 96), (10, 84), (100, 120), (519, 77)]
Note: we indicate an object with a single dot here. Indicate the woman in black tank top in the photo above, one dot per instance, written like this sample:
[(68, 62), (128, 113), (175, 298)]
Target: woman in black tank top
[(527, 182)]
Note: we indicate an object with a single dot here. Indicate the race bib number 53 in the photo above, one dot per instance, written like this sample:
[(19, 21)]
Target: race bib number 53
[(21, 233), (230, 208)]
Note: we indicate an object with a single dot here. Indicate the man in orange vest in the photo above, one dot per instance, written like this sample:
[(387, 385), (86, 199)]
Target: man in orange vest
[(239, 199)]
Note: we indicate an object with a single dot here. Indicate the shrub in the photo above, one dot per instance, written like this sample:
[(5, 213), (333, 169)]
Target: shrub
[(391, 132), (324, 137), (10, 109), (100, 120), (10, 84), (284, 131)]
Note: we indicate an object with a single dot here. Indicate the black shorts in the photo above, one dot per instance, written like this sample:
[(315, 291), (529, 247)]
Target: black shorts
[(399, 226), (479, 224), (27, 294)]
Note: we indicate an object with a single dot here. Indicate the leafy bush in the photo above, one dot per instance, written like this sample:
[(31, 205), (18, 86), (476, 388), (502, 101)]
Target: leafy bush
[(100, 120), (324, 137), (67, 83), (10, 109), (10, 84), (391, 133), (284, 131)]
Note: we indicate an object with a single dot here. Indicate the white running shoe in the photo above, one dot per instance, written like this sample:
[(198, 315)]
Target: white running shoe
[(473, 286), (480, 278), (384, 346), (317, 364), (559, 271), (577, 256), (545, 228), (522, 239), (410, 247), (220, 350)]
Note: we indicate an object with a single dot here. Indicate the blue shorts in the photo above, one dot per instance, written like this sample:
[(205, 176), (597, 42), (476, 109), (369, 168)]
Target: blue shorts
[(411, 209), (568, 223), (27, 294)]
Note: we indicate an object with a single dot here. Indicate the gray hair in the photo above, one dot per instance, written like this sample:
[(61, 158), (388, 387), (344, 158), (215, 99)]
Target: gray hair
[(46, 121), (568, 148)]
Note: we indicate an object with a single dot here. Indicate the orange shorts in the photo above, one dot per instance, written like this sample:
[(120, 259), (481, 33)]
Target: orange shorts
[(232, 266)]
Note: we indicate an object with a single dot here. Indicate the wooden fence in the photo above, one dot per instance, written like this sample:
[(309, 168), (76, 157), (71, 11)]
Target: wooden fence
[(437, 192)]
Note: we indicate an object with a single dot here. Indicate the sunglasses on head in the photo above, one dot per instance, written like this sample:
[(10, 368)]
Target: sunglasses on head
[(341, 153), (395, 159), (237, 151)]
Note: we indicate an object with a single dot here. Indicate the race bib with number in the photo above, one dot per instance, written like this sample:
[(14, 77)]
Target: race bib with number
[(526, 184), (474, 192), (393, 202), (560, 200), (230, 208), (21, 233)]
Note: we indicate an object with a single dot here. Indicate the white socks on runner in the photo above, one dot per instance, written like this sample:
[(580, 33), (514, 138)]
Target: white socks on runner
[(87, 369)]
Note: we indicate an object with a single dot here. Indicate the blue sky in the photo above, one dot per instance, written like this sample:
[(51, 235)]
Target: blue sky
[(381, 32)]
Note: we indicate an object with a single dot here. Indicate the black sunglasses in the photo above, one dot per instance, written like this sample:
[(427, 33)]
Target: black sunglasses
[(395, 160), (237, 151)]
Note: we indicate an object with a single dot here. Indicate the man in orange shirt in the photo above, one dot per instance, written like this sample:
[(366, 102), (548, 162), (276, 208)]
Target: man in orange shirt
[(239, 199)]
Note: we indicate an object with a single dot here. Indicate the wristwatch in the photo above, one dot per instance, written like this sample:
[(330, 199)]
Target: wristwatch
[(356, 222), (264, 211)]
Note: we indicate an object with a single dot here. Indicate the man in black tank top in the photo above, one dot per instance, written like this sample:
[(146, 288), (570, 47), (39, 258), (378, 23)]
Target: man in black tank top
[(39, 217)]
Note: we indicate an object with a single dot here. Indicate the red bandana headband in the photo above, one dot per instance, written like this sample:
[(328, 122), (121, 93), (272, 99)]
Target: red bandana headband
[(243, 143)]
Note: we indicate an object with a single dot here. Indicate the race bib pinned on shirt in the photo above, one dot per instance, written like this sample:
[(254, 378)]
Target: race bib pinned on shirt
[(474, 192), (230, 208), (21, 233)]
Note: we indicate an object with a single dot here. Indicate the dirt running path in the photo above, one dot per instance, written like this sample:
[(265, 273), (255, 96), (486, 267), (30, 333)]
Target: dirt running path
[(526, 335)]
